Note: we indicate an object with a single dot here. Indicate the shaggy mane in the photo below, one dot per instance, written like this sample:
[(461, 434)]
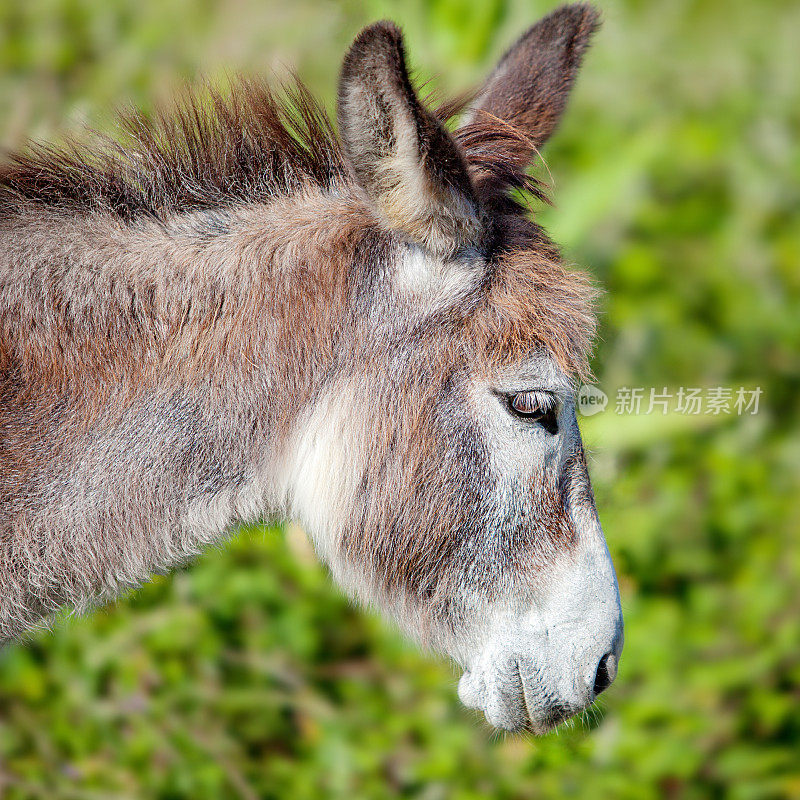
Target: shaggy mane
[(210, 151), (213, 150)]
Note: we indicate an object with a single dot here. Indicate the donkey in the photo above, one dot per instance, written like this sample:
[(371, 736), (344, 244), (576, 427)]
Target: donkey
[(238, 314)]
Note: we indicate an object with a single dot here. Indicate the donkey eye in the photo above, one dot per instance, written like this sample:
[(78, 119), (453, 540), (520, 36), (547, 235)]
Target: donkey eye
[(535, 407)]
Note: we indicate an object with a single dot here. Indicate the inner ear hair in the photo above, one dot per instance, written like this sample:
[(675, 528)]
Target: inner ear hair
[(406, 162)]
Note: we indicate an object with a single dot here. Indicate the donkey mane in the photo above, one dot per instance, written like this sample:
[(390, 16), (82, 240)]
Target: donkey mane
[(209, 151), (212, 150)]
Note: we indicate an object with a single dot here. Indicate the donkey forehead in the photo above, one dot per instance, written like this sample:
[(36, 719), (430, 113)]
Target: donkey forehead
[(521, 317), (534, 315)]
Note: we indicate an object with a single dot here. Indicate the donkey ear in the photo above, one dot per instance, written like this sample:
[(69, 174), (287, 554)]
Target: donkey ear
[(401, 155), (530, 85)]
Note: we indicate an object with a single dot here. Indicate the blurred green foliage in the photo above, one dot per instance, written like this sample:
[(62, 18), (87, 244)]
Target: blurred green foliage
[(677, 181)]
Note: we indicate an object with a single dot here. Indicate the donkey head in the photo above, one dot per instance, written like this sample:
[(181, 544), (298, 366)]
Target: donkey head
[(442, 473)]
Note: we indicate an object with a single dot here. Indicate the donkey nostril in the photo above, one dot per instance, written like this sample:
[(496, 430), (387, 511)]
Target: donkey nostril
[(603, 677)]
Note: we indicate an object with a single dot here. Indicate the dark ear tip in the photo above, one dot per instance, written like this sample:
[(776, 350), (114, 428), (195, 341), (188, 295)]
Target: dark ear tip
[(377, 46), (382, 28), (569, 29), (375, 36), (583, 17), (591, 16)]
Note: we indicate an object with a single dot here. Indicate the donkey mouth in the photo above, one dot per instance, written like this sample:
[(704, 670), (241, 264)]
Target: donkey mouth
[(512, 703), (557, 714), (548, 718)]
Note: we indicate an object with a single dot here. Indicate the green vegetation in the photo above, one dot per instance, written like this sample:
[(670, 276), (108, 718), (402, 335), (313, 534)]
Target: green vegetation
[(677, 182)]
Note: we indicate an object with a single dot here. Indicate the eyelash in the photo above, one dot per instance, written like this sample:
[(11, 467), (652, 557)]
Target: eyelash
[(537, 406)]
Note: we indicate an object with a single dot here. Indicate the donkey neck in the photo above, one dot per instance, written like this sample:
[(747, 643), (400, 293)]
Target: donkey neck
[(225, 323)]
